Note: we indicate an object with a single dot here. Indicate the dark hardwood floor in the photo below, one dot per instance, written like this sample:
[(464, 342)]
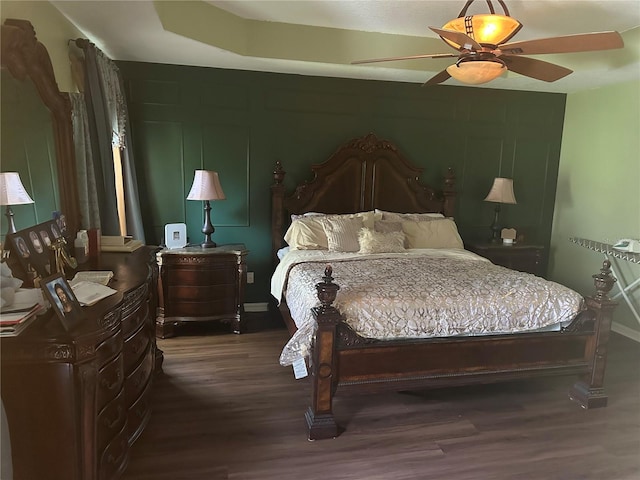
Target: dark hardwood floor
[(225, 409)]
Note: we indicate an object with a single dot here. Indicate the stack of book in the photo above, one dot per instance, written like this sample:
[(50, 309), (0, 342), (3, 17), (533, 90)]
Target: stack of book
[(14, 319)]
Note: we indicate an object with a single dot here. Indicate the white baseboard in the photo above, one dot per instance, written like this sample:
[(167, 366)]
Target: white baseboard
[(626, 331), (256, 307)]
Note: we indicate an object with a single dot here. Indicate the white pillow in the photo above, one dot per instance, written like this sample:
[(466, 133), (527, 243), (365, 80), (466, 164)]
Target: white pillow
[(378, 242), (342, 233), (442, 233), (306, 234)]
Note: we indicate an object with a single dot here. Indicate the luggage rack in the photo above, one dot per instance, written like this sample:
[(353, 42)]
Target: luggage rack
[(610, 252)]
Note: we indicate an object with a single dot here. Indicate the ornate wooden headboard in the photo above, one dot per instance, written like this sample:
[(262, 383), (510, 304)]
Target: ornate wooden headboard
[(363, 174)]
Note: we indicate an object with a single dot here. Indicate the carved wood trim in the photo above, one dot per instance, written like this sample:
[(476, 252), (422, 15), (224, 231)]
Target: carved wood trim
[(25, 57)]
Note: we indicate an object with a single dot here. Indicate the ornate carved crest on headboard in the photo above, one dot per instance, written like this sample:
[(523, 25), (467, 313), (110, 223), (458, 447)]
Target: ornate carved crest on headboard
[(370, 143)]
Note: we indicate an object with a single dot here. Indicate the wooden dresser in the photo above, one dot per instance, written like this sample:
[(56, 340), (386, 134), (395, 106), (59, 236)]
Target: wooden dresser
[(201, 284), (77, 400)]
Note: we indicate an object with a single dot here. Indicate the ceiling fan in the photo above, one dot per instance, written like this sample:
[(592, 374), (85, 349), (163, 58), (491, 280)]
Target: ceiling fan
[(483, 54)]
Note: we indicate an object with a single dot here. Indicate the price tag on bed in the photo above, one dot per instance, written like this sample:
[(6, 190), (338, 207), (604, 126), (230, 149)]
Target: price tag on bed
[(300, 368)]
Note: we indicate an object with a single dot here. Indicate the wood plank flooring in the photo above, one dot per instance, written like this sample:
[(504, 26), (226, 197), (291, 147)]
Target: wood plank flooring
[(225, 409)]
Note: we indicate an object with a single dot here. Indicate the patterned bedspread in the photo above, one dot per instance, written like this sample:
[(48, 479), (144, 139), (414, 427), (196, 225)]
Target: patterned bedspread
[(419, 294)]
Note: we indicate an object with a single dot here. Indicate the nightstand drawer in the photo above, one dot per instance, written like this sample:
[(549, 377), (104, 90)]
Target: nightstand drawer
[(209, 308), (204, 276), (201, 293)]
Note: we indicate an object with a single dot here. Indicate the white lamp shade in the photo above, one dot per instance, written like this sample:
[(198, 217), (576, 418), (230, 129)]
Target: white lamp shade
[(12, 192), (206, 186), (476, 72), (501, 191)]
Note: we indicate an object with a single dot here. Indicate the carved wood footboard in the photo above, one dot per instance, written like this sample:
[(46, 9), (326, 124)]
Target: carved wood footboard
[(342, 361)]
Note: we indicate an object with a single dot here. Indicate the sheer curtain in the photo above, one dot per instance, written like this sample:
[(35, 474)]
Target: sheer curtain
[(112, 175)]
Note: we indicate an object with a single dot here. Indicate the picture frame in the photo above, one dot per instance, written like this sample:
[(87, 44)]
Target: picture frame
[(31, 248), (63, 301)]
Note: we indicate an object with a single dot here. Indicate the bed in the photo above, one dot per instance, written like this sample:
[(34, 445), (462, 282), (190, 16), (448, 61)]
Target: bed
[(365, 182)]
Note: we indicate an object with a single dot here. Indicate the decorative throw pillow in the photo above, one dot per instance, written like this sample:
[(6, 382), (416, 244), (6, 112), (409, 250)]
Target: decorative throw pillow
[(342, 233), (306, 234), (386, 226), (439, 234), (379, 242)]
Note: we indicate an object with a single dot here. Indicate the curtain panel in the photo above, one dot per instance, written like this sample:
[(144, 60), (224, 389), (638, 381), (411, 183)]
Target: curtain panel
[(107, 122)]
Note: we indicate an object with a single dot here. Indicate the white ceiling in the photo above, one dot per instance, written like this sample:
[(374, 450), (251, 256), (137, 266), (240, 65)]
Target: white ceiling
[(132, 30)]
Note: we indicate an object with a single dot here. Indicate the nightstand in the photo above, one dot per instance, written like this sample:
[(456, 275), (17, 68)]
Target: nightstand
[(201, 284), (522, 257)]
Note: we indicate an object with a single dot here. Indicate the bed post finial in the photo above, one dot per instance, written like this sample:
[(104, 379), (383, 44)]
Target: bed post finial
[(278, 173), (327, 290), (449, 193), (277, 211), (603, 281)]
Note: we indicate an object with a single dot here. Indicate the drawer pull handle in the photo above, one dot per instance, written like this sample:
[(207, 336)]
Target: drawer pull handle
[(142, 410), (137, 346), (111, 425), (110, 386), (144, 374), (118, 460)]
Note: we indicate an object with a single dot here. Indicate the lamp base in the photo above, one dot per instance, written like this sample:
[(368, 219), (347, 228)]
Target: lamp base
[(208, 244), (495, 226), (11, 228), (207, 228)]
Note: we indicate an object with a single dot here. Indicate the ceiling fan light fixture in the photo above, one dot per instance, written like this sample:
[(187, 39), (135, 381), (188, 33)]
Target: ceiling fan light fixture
[(476, 72), (490, 29)]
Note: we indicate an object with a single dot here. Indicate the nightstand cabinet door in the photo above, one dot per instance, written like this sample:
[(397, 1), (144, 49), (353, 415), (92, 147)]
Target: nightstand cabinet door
[(524, 258), (201, 284)]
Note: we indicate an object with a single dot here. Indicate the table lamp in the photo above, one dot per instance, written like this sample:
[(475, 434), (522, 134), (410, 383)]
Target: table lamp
[(12, 192), (206, 186), (501, 192)]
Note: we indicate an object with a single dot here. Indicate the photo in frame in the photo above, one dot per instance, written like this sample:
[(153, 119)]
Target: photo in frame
[(63, 301), (31, 247)]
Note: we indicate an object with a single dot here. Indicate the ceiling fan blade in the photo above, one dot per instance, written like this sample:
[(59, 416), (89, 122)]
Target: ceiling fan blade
[(584, 42), (437, 78), (410, 57), (531, 67), (459, 38)]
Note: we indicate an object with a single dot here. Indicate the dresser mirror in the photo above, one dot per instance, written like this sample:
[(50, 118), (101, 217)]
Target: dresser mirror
[(36, 135)]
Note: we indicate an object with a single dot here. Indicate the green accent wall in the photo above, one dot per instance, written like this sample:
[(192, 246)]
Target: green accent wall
[(240, 122), (598, 194)]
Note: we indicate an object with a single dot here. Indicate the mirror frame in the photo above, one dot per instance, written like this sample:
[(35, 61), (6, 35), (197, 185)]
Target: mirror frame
[(25, 57)]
